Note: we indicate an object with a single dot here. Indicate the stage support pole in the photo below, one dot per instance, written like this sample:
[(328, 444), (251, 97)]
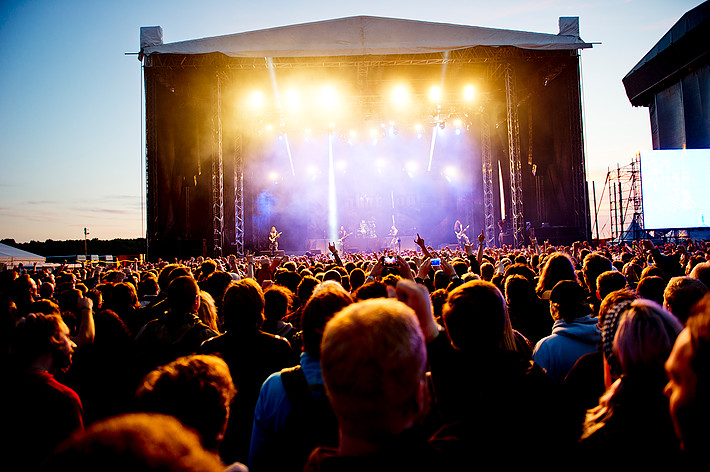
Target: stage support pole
[(218, 181), (487, 165), (516, 184), (239, 196)]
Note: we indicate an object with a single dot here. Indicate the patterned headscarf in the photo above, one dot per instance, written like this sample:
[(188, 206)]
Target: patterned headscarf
[(610, 323)]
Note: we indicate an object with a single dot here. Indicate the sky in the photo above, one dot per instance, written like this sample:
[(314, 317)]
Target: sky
[(71, 103)]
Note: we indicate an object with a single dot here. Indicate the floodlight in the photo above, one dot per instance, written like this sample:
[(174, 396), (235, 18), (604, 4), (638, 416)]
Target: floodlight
[(328, 97), (469, 93), (291, 99), (400, 95), (257, 99), (435, 94)]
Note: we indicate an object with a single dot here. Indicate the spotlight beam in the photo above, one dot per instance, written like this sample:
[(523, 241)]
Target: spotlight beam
[(332, 200), (272, 73), (431, 149)]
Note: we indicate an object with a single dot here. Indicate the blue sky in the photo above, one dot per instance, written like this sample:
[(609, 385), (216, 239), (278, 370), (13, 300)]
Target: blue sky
[(71, 105)]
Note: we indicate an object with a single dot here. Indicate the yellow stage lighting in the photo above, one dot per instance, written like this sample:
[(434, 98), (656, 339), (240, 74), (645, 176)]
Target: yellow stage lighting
[(291, 99), (328, 97), (257, 99), (435, 94), (469, 93), (400, 95)]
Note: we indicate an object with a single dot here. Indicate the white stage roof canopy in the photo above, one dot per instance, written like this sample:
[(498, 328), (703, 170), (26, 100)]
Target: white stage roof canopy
[(364, 35)]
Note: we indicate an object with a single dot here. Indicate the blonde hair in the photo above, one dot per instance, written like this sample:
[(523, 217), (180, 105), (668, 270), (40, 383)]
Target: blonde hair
[(208, 311), (373, 358)]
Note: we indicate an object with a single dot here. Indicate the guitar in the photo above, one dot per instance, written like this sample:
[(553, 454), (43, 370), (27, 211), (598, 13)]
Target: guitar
[(461, 235), (274, 237), (340, 240)]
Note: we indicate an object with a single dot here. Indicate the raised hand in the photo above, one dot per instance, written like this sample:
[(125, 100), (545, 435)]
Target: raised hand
[(419, 241)]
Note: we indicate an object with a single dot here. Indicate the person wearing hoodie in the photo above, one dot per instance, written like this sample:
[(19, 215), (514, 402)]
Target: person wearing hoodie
[(575, 331)]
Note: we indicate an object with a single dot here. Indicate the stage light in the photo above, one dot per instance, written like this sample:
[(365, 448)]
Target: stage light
[(257, 99), (418, 127), (411, 166), (373, 132), (291, 99), (273, 176), (457, 123), (269, 127), (469, 93), (450, 173), (328, 97), (435, 94), (400, 96), (352, 133)]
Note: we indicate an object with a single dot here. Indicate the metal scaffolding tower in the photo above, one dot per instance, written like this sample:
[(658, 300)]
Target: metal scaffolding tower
[(487, 167), (516, 182), (239, 196), (218, 181), (625, 201)]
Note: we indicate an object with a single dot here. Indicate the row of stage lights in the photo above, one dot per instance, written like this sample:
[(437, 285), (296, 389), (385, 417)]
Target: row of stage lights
[(373, 133), (381, 166), (326, 106), (327, 97)]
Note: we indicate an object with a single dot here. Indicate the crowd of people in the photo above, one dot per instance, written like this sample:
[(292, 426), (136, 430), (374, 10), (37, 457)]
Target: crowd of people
[(411, 360)]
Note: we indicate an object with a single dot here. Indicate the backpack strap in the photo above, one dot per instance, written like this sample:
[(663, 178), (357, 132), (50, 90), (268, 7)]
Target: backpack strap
[(296, 386)]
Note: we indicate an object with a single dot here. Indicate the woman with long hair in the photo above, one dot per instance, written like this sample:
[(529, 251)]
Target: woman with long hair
[(558, 266), (632, 418)]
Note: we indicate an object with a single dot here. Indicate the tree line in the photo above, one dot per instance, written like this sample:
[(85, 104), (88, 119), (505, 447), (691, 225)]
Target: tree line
[(50, 247)]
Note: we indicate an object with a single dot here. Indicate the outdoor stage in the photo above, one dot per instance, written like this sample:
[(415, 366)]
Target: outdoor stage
[(396, 122)]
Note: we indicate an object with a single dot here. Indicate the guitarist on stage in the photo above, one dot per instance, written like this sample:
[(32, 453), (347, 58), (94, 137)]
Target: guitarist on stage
[(342, 235), (461, 234), (274, 240)]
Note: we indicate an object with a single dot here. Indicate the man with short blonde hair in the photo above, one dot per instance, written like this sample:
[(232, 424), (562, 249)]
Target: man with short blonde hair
[(373, 357)]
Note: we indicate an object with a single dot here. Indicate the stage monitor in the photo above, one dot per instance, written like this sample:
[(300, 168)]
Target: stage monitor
[(675, 188)]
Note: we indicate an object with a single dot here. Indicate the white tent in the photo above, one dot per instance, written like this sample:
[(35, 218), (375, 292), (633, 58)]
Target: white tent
[(363, 35), (11, 256)]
